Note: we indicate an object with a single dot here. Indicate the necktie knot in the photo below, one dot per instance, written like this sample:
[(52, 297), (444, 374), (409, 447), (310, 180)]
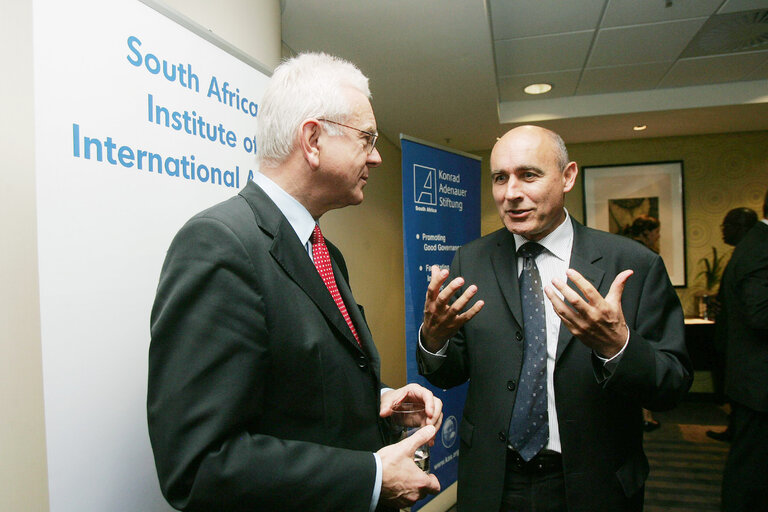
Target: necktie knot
[(530, 250), (317, 236)]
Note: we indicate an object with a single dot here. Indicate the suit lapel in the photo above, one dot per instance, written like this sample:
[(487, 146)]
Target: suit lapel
[(366, 339), (583, 256), (504, 261), (292, 256)]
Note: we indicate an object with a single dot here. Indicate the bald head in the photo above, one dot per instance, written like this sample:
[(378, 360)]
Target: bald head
[(556, 143), (736, 224), (531, 173)]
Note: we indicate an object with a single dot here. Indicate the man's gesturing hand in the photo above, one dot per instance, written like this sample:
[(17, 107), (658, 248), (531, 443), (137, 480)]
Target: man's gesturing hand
[(598, 322), (442, 319)]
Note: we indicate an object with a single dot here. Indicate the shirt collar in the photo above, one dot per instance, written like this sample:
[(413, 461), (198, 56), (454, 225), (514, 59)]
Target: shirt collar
[(298, 217), (559, 242)]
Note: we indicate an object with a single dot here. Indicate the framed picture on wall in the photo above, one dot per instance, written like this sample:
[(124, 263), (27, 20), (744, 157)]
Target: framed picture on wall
[(643, 202)]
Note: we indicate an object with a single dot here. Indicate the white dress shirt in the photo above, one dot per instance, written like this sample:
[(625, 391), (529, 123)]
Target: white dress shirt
[(298, 216)]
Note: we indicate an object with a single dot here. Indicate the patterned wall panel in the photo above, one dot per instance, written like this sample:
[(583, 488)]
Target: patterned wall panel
[(720, 172)]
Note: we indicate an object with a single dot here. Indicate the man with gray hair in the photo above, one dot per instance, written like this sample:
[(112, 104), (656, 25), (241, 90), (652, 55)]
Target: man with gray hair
[(264, 382)]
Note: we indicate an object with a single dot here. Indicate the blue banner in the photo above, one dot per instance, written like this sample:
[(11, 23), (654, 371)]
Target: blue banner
[(441, 211)]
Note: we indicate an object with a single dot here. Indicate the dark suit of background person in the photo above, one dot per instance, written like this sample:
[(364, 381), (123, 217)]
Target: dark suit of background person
[(598, 410), (736, 223), (745, 309), (260, 397)]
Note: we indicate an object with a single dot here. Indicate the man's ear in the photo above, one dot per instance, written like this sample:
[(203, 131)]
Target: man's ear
[(569, 176), (309, 135)]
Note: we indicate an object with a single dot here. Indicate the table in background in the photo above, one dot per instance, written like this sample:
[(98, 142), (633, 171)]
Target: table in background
[(700, 341)]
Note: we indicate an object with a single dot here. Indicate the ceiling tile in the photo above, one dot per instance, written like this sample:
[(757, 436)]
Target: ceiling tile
[(433, 74), (698, 71), (760, 73), (622, 78), (522, 18), (743, 5), (631, 12), (655, 42), (563, 84), (542, 54), (730, 33)]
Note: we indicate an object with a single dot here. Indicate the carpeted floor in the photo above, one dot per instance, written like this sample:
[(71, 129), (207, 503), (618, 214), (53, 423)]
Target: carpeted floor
[(686, 465)]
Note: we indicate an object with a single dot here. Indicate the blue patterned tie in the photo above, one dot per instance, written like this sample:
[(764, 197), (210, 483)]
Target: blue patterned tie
[(529, 427)]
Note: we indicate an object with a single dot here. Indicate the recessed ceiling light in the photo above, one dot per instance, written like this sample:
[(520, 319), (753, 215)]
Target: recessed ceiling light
[(538, 88), (639, 127)]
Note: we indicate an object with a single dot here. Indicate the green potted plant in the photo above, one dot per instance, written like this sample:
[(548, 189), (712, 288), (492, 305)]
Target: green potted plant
[(713, 271)]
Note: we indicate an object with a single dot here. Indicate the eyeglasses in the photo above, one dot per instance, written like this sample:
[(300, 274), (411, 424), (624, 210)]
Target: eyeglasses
[(370, 137)]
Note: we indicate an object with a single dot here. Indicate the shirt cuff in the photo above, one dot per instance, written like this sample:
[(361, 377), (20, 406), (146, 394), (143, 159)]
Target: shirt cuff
[(432, 361), (610, 364), (377, 484), (440, 352)]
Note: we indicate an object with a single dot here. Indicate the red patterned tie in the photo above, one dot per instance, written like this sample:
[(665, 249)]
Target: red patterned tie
[(323, 263)]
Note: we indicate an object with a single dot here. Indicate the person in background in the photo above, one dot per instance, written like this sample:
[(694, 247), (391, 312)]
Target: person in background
[(576, 330), (736, 224), (647, 230), (744, 294), (264, 382)]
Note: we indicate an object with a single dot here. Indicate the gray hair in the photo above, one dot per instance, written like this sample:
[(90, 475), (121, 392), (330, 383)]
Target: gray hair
[(310, 85), (561, 153)]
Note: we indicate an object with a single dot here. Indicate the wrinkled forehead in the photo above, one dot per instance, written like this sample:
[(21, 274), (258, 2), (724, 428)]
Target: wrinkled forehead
[(525, 148)]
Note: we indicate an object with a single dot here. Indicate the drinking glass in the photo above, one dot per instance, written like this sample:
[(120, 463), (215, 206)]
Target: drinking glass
[(412, 416)]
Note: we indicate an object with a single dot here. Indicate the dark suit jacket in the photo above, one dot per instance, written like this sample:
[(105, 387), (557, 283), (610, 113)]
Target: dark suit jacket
[(259, 396), (745, 310), (599, 417)]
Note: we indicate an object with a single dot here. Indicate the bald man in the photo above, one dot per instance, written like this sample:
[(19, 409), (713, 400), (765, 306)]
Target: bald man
[(561, 363)]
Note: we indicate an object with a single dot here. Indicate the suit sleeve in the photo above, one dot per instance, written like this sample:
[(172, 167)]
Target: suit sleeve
[(209, 364), (655, 367), (753, 289)]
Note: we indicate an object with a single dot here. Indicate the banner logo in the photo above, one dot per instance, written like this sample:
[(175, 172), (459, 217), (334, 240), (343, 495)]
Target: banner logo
[(450, 431), (424, 185)]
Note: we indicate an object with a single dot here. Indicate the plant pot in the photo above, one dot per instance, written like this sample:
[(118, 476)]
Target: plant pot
[(705, 306)]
